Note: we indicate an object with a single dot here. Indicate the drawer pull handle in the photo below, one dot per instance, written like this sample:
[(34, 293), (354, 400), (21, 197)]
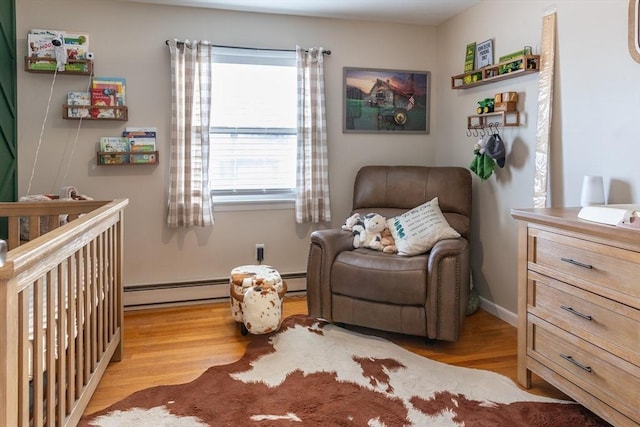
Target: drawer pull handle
[(578, 263), (575, 362), (577, 313)]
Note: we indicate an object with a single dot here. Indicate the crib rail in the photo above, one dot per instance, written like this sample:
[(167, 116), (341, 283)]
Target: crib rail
[(60, 309), (36, 216)]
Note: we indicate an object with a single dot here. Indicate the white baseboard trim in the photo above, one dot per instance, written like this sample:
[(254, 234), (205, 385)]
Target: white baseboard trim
[(189, 293), (500, 312)]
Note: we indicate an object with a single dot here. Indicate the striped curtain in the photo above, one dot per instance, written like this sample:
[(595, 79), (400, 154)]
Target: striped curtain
[(189, 196), (312, 170)]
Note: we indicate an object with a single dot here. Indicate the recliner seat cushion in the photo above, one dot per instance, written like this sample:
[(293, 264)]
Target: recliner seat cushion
[(375, 276)]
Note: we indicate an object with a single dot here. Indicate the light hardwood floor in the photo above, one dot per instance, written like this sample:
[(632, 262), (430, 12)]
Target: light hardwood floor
[(176, 345)]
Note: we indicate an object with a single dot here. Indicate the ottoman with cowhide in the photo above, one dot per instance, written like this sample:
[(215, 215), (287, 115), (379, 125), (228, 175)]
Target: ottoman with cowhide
[(257, 292)]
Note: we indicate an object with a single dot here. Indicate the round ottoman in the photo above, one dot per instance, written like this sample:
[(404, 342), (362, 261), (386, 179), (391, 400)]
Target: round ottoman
[(257, 292)]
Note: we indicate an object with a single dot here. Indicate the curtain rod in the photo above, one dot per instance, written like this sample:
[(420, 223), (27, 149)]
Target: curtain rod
[(324, 51)]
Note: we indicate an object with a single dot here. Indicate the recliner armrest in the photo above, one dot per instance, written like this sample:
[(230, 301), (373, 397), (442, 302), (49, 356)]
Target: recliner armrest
[(325, 247), (446, 247), (333, 241), (448, 291)]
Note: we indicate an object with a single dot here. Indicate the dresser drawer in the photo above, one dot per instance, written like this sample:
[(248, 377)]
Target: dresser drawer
[(613, 326), (607, 270), (608, 378)]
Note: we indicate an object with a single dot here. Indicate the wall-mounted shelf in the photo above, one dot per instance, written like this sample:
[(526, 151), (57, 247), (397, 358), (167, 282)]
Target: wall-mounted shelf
[(97, 112), (127, 158), (519, 66), (79, 67), (504, 118)]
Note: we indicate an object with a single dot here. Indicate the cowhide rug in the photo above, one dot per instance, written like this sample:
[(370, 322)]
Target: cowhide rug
[(311, 373)]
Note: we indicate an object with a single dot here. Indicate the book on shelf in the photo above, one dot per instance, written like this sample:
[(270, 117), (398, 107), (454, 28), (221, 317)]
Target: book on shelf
[(114, 143), (470, 57), (39, 45), (615, 214), (515, 55), (78, 98), (113, 159), (141, 139), (142, 144), (108, 91), (117, 145), (117, 85), (143, 158), (137, 130), (102, 98), (140, 134)]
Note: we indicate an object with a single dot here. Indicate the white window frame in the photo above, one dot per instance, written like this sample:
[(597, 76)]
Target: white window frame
[(252, 199)]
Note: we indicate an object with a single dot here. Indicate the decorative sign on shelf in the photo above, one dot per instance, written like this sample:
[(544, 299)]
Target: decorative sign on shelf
[(484, 54), (470, 57)]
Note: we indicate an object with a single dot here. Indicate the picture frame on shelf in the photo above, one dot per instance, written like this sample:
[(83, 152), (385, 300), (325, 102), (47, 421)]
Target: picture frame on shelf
[(386, 101), (484, 54)]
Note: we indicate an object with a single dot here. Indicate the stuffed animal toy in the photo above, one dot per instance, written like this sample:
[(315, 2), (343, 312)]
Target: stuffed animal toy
[(370, 236), (355, 225), (352, 221), (482, 163), (388, 242)]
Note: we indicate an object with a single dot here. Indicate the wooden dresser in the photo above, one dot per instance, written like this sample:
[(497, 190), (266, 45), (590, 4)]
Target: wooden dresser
[(579, 310)]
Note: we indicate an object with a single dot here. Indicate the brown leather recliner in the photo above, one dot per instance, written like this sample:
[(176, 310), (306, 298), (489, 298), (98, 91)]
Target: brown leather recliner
[(424, 295)]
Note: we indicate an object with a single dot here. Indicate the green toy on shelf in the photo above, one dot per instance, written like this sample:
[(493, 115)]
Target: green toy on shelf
[(485, 106)]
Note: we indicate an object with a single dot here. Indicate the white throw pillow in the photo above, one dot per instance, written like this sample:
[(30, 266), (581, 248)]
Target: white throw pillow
[(416, 231)]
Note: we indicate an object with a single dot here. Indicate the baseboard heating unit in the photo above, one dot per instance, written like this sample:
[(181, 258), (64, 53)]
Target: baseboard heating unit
[(194, 292)]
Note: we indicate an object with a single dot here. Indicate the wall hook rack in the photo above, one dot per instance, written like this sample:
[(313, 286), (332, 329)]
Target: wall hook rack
[(494, 120)]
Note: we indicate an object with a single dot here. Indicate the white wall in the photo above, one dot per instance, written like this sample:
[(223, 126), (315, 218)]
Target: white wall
[(594, 119), (129, 41), (597, 88)]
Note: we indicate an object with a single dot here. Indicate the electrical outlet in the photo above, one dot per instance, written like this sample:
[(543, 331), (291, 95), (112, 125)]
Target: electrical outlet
[(260, 252)]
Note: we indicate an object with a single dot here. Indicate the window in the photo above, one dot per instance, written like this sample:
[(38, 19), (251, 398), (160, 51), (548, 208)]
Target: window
[(253, 125)]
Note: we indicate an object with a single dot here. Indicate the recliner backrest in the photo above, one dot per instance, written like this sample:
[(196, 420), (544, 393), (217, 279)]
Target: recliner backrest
[(393, 190)]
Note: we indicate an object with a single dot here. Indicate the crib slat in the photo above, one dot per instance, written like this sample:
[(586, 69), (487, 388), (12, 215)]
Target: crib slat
[(99, 296), (13, 232), (50, 352), (88, 261), (53, 221), (64, 341), (34, 227), (23, 367), (118, 233), (112, 283), (93, 312), (37, 355), (71, 348), (81, 318)]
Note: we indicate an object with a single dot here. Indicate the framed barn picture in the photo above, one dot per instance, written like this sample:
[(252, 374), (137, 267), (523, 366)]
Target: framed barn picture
[(386, 101)]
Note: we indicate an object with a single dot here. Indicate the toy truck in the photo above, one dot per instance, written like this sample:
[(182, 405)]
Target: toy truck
[(485, 106)]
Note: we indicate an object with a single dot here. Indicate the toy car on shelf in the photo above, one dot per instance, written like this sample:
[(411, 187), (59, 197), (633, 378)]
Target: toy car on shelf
[(485, 106)]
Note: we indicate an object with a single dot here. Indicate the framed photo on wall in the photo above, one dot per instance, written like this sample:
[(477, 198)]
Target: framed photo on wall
[(386, 101)]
